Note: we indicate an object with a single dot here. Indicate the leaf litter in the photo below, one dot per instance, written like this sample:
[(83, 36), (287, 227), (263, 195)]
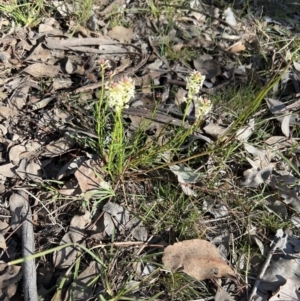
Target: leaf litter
[(50, 82)]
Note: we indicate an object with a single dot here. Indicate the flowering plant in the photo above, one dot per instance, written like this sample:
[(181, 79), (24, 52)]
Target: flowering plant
[(117, 95), (193, 84)]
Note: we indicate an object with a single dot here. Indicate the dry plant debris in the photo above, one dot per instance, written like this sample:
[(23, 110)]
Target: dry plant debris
[(127, 126)]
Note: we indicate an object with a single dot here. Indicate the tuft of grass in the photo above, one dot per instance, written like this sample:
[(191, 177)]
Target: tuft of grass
[(28, 14), (171, 212), (83, 11), (182, 287)]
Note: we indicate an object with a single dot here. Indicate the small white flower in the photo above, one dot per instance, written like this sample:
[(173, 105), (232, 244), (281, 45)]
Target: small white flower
[(118, 94), (105, 64), (202, 106), (194, 83)]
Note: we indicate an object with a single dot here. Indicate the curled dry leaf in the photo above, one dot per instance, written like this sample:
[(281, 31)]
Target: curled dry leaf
[(9, 276), (15, 152), (41, 104), (185, 176), (254, 176), (288, 291), (198, 258), (89, 176), (6, 112), (217, 210), (42, 70), (8, 170), (245, 132), (70, 167), (58, 147), (18, 101), (2, 243), (81, 290), (289, 196), (65, 257), (214, 130), (34, 171), (285, 125), (286, 268), (21, 170), (207, 66), (237, 47), (121, 34), (222, 295), (281, 142), (229, 17), (117, 217)]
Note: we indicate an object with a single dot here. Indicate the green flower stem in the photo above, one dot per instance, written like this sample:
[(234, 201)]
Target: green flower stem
[(100, 125), (116, 151)]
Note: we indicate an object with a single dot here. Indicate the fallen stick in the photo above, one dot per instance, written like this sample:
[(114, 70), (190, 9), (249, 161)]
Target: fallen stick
[(277, 241), (29, 271)]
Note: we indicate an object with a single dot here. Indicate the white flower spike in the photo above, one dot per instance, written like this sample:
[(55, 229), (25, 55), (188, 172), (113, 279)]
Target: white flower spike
[(202, 106), (118, 94), (194, 83)]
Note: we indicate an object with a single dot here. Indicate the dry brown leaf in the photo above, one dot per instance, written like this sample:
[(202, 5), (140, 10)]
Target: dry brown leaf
[(65, 257), (214, 130), (288, 291), (61, 83), (6, 112), (280, 142), (21, 170), (198, 258), (121, 34), (8, 170), (39, 54), (79, 221), (285, 125), (11, 275), (58, 147), (207, 66), (3, 130), (237, 47), (245, 132), (117, 217), (15, 205), (18, 101), (255, 176), (15, 152), (221, 295), (42, 70), (71, 187), (69, 67), (4, 227), (80, 290), (2, 243), (89, 176), (34, 171)]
